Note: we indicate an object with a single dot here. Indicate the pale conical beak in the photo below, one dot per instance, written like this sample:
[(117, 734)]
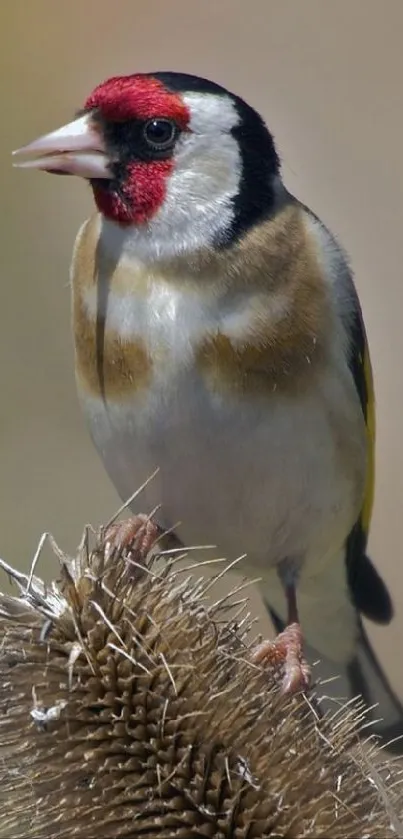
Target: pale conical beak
[(74, 149)]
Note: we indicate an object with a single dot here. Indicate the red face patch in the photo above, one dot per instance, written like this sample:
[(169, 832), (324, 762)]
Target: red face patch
[(142, 195), (137, 97), (142, 97)]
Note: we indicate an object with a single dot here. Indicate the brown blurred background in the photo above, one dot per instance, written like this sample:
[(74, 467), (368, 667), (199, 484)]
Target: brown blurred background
[(328, 78)]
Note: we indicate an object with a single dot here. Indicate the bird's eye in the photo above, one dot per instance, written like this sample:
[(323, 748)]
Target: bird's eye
[(160, 134)]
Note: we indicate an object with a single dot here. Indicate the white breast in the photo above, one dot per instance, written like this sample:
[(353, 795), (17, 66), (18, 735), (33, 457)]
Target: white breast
[(167, 318), (260, 474)]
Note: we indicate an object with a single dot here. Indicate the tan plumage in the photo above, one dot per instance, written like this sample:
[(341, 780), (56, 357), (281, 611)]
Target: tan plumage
[(106, 365), (283, 342), (219, 338)]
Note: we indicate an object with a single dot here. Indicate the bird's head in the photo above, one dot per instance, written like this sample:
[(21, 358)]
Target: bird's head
[(167, 149)]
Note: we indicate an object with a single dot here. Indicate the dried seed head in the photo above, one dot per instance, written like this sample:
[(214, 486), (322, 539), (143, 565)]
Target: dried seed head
[(130, 709)]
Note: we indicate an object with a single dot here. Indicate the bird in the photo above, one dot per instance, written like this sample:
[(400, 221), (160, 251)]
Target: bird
[(219, 339)]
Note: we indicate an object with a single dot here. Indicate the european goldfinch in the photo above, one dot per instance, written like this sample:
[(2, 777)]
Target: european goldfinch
[(218, 337)]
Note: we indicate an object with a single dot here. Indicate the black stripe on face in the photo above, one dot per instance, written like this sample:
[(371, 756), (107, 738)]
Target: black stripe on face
[(260, 166), (260, 161), (126, 141)]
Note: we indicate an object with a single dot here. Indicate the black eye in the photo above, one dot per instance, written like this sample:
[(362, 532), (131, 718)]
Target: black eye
[(160, 134)]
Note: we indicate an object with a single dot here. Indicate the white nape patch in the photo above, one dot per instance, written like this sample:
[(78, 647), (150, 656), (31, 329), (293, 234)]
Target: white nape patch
[(336, 271), (198, 206)]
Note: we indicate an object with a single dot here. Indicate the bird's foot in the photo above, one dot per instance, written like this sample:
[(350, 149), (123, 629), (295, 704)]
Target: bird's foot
[(286, 649), (135, 537)]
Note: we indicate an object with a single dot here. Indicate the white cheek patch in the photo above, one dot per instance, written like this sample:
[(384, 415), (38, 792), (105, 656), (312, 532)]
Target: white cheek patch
[(205, 180), (198, 206), (211, 114)]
